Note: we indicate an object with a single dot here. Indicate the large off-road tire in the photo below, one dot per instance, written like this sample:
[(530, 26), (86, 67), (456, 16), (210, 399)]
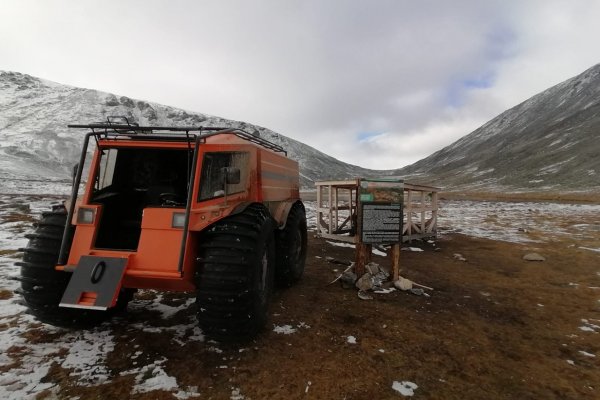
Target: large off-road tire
[(291, 248), (234, 275), (42, 286)]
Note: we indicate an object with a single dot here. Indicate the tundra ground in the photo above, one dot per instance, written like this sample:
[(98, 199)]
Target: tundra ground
[(495, 326)]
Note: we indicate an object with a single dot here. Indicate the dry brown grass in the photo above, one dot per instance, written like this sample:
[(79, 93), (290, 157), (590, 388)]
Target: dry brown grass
[(567, 197), (18, 217), (495, 327), (531, 196)]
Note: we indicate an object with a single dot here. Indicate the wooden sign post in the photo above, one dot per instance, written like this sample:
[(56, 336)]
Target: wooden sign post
[(381, 221)]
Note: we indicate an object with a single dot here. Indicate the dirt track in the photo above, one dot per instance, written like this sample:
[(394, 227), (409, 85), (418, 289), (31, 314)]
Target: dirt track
[(495, 327)]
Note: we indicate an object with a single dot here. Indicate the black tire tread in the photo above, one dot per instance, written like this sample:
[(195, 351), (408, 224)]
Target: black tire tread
[(286, 273), (226, 311)]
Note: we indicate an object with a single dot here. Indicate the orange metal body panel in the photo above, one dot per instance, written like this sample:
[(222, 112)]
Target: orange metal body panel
[(271, 178), (158, 250), (278, 177)]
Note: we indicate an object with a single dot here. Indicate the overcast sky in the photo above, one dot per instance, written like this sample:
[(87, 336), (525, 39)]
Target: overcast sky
[(379, 84)]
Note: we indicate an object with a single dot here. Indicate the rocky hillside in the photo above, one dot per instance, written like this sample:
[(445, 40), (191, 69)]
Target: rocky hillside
[(36, 145), (550, 142)]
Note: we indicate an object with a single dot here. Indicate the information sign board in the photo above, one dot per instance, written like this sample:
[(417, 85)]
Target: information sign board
[(381, 211)]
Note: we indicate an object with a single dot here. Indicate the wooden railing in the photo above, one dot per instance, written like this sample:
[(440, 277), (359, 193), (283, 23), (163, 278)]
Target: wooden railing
[(337, 205)]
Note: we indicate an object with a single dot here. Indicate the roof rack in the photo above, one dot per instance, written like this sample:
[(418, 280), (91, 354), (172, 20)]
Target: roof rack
[(113, 129)]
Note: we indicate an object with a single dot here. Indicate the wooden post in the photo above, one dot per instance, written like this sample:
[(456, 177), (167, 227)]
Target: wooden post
[(408, 208), (330, 213), (363, 257), (336, 214), (395, 262), (423, 211), (319, 207)]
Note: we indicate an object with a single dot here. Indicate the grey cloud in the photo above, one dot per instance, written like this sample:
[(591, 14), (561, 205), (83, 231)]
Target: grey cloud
[(319, 71)]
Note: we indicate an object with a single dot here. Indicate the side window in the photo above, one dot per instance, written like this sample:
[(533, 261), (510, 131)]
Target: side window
[(107, 168), (213, 178)]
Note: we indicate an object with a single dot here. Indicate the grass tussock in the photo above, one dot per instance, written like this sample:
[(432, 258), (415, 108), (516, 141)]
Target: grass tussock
[(18, 217), (6, 294)]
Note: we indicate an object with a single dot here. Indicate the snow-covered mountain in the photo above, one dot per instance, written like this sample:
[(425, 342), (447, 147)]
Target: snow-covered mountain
[(36, 145), (549, 142)]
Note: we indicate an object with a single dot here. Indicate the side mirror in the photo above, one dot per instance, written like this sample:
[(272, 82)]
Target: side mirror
[(232, 175)]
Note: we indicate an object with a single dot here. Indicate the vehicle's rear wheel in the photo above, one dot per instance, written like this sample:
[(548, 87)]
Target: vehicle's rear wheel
[(234, 277), (42, 286), (291, 247)]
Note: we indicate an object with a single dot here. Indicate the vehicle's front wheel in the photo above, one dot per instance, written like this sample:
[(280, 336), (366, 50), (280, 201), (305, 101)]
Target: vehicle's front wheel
[(42, 286), (234, 275)]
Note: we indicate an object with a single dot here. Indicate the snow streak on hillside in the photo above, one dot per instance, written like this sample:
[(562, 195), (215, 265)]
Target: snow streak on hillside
[(35, 143), (549, 142)]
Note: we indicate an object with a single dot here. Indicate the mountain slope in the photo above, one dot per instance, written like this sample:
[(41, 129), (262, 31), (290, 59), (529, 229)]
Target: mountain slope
[(549, 142), (35, 142)]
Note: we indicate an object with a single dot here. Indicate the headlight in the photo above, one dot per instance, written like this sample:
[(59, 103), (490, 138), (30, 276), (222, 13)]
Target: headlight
[(85, 215), (178, 220)]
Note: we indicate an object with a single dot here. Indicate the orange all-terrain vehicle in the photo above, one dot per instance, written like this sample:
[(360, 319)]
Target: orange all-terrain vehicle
[(211, 210)]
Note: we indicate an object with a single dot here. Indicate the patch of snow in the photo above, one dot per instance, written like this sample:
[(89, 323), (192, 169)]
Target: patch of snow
[(590, 249), (589, 327), (384, 291), (557, 141), (311, 215), (484, 172), (571, 362), (379, 252), (352, 246), (544, 222), (236, 394), (341, 244), (178, 331), (553, 168), (153, 377), (197, 335), (156, 304), (416, 249), (87, 355), (307, 386), (191, 391), (568, 145), (215, 349), (351, 339), (585, 353), (405, 388), (284, 329)]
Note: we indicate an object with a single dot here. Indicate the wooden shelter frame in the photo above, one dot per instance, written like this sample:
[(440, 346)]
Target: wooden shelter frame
[(337, 211)]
